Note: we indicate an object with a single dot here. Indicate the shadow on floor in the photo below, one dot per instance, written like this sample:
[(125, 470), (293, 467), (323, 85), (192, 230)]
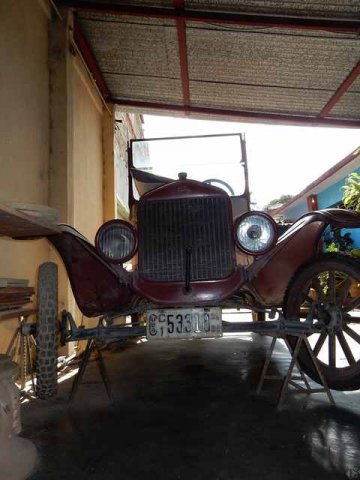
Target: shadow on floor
[(187, 410)]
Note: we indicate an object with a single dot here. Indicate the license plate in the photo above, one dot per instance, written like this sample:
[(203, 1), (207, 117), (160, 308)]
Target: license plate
[(184, 323)]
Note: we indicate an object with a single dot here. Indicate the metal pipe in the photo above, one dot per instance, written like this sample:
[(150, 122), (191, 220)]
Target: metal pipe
[(284, 327), (106, 333)]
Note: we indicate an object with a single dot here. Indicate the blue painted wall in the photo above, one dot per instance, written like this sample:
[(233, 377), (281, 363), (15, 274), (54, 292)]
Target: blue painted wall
[(296, 211), (332, 196)]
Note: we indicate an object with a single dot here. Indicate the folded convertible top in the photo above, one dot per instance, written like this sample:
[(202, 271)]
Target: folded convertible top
[(146, 181)]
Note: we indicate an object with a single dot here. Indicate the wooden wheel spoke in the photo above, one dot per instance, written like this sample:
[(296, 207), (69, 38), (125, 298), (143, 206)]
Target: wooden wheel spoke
[(350, 319), (343, 292), (319, 343), (346, 349), (327, 292), (332, 286), (318, 288), (355, 302), (308, 299), (332, 350), (355, 336)]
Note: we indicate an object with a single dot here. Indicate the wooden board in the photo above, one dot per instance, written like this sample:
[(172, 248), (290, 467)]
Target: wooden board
[(15, 298), (18, 225), (13, 282), (21, 312)]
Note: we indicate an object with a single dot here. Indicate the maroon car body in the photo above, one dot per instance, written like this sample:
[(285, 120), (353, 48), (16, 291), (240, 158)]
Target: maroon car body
[(186, 253), (100, 286)]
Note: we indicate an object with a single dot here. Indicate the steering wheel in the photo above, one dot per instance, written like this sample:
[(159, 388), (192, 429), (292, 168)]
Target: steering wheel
[(222, 184)]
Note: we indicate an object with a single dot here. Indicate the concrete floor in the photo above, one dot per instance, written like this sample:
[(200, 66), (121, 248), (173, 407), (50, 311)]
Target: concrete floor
[(187, 410)]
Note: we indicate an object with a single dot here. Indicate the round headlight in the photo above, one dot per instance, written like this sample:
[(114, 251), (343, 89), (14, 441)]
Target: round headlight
[(255, 233), (116, 241)]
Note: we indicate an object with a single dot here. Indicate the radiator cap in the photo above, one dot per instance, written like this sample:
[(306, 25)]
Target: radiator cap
[(182, 176)]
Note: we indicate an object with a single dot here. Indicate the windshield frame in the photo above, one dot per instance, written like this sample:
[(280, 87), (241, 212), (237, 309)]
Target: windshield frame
[(242, 161)]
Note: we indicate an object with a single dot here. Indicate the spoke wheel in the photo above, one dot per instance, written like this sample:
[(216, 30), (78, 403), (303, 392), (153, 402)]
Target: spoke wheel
[(329, 289)]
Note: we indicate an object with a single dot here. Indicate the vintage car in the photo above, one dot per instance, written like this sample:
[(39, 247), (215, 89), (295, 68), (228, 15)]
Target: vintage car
[(195, 248)]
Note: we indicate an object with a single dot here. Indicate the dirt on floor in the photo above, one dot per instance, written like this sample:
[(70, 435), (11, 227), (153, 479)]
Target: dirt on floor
[(187, 409)]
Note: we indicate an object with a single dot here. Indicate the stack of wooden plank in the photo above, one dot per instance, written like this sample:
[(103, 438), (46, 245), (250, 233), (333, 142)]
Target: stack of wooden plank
[(14, 298)]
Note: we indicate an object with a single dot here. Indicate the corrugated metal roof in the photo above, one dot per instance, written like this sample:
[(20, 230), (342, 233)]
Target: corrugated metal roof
[(333, 8), (133, 47), (272, 59), (268, 99), (347, 107), (236, 67), (156, 89)]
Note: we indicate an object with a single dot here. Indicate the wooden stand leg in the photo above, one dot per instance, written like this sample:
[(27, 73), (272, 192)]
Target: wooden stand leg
[(90, 347), (10, 348), (318, 369), (301, 373), (87, 354), (289, 373), (30, 363), (266, 365), (290, 379), (103, 373)]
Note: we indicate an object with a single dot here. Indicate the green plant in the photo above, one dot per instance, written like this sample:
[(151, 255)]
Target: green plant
[(334, 241), (351, 195)]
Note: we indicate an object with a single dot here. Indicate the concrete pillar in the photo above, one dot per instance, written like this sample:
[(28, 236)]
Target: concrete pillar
[(61, 116), (109, 177), (61, 186)]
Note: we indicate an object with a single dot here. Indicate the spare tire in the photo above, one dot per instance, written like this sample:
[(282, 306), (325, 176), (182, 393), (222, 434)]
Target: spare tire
[(47, 331)]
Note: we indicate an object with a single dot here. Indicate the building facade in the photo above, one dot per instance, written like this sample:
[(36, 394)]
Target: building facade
[(324, 192)]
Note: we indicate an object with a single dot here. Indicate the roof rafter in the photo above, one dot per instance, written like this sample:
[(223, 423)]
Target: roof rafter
[(239, 115), (90, 59), (343, 88), (184, 69), (253, 19)]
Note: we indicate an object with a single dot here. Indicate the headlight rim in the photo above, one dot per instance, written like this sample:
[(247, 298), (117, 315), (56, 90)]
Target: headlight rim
[(239, 219), (105, 225)]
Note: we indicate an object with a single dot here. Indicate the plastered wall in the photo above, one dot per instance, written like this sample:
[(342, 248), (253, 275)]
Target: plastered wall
[(24, 129), (88, 158), (87, 168), (56, 138), (25, 143)]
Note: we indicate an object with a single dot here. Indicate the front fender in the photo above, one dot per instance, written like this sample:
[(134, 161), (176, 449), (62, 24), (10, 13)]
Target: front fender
[(98, 286), (271, 273)]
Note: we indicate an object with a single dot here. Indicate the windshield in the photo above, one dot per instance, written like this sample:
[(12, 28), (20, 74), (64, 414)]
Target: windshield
[(216, 159)]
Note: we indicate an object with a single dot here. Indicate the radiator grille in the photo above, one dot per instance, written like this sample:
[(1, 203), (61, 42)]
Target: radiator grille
[(169, 227)]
